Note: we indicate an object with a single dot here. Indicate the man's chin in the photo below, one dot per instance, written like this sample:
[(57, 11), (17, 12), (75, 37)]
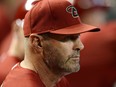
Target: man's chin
[(75, 70), (72, 70)]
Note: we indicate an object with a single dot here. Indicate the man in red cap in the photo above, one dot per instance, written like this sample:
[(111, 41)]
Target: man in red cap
[(52, 31), (10, 44)]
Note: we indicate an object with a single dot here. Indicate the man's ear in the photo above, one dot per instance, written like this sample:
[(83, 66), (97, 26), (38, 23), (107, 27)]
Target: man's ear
[(36, 40)]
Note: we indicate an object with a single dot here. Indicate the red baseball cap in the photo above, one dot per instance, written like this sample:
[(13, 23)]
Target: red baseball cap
[(55, 16)]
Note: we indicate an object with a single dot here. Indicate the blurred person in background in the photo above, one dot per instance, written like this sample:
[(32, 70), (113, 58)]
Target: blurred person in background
[(11, 39), (98, 59), (15, 52), (10, 10)]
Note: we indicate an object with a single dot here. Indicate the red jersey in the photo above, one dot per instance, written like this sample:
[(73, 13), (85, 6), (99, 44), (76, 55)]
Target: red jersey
[(4, 24), (22, 77), (6, 63)]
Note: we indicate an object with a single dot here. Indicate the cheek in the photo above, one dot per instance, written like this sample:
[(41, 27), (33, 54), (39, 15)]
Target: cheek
[(53, 56), (66, 48), (51, 51), (56, 50), (59, 46)]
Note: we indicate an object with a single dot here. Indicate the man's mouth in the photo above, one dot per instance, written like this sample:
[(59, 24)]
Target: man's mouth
[(75, 58)]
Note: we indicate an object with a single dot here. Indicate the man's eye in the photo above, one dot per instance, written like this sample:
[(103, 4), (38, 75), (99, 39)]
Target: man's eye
[(69, 38), (75, 37), (64, 39)]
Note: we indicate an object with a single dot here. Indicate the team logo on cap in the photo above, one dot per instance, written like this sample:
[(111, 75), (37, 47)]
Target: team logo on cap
[(72, 10)]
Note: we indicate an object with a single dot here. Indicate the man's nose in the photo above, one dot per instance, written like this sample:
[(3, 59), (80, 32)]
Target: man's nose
[(78, 45)]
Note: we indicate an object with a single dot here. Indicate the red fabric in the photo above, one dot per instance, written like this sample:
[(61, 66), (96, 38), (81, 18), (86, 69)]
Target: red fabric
[(5, 44), (6, 63), (21, 77), (98, 59), (20, 14), (4, 24)]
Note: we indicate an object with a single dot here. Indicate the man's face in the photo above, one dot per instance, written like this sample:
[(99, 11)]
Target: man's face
[(62, 53)]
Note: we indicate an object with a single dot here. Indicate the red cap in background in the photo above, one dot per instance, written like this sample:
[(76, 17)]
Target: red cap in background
[(21, 11)]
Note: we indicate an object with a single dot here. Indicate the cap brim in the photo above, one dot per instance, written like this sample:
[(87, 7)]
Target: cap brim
[(75, 29)]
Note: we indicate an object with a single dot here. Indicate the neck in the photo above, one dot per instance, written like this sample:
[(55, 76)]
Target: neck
[(46, 75)]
